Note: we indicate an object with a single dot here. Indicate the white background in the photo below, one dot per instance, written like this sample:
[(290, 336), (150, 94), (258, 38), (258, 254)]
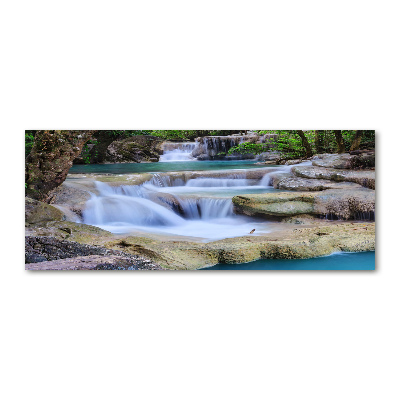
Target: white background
[(199, 65)]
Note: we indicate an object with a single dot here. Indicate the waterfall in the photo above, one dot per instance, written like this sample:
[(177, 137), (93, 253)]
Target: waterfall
[(206, 208), (178, 152), (132, 205), (127, 210), (164, 181), (217, 147), (150, 208)]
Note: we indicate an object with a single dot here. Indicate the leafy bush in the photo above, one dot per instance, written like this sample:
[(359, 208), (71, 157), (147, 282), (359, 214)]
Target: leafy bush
[(29, 139)]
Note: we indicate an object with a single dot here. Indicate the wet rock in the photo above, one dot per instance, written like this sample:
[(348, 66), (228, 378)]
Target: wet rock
[(364, 178), (277, 205), (358, 204), (39, 212), (287, 182), (70, 200), (344, 204)]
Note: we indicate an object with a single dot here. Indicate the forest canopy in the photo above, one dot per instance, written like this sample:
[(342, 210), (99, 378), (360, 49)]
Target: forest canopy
[(289, 142)]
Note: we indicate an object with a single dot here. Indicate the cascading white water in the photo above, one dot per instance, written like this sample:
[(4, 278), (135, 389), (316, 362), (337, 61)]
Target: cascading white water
[(267, 178), (171, 205), (206, 208), (147, 208), (178, 152)]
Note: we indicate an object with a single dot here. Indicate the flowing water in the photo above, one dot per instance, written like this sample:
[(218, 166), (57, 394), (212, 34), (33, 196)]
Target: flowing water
[(174, 152), (199, 208)]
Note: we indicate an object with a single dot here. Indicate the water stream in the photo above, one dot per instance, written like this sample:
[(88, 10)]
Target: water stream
[(199, 208), (191, 206), (174, 152)]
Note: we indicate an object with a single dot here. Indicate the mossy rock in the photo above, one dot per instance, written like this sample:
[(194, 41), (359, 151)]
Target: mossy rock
[(37, 212), (66, 230)]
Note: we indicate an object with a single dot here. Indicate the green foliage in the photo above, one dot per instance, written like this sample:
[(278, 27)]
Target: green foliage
[(248, 148), (86, 155), (290, 146), (174, 134), (29, 139)]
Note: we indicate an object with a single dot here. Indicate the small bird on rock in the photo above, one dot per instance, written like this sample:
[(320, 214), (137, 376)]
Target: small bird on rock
[(253, 231)]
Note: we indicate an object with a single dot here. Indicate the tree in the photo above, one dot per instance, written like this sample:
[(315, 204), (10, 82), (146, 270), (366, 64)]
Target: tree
[(50, 159), (356, 141), (339, 141), (319, 141), (305, 144)]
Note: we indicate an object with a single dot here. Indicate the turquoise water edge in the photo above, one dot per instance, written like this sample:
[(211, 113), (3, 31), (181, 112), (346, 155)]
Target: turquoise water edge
[(129, 168), (363, 261)]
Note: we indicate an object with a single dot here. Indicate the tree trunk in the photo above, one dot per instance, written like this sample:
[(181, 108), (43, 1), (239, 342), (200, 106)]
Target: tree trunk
[(356, 141), (319, 141), (339, 141), (305, 144), (50, 159)]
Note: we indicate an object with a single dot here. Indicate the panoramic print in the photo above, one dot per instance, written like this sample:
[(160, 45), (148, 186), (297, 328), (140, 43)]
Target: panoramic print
[(200, 200)]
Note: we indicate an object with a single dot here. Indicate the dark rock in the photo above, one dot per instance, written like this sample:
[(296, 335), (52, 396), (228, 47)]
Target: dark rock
[(49, 249), (134, 149), (93, 263)]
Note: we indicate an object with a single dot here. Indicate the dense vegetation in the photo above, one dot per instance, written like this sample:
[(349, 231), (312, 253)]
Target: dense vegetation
[(300, 144), (291, 144), (108, 136)]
